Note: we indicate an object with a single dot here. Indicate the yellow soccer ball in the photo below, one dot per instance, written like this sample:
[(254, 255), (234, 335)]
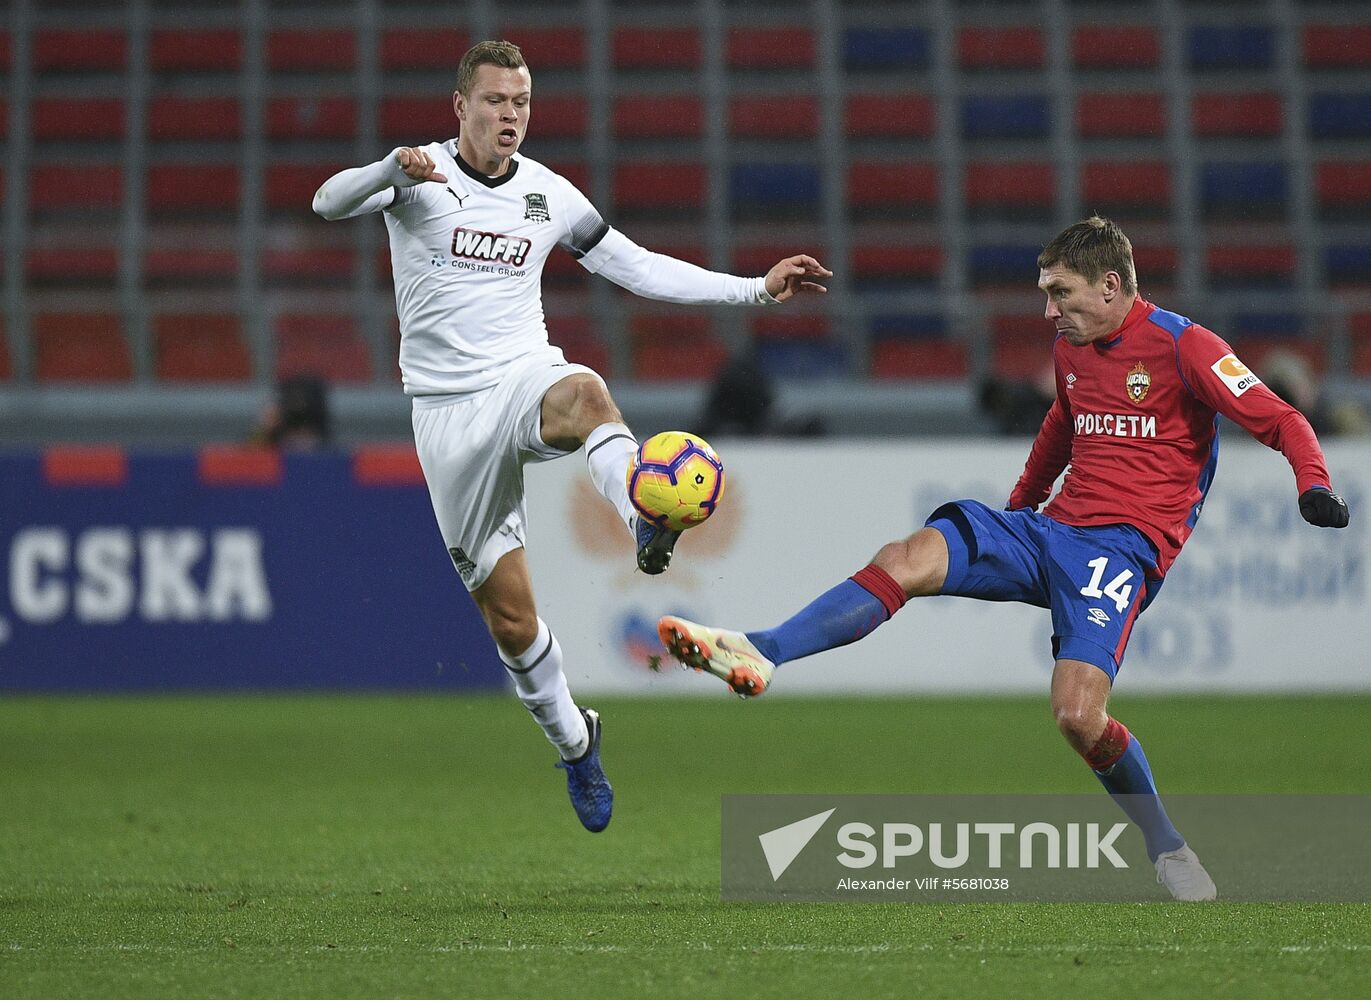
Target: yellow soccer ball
[(675, 480)]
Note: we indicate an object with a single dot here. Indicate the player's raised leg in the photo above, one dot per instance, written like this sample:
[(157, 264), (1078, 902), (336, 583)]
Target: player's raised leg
[(579, 410), (912, 567), (533, 658), (1080, 692)]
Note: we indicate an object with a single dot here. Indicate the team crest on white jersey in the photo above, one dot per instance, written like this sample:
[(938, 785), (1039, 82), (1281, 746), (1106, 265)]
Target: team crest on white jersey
[(1138, 382), (535, 208)]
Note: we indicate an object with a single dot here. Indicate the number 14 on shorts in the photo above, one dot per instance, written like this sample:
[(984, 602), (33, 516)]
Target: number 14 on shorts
[(1119, 590)]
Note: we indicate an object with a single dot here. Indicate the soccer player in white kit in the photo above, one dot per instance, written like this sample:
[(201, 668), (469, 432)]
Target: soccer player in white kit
[(471, 223)]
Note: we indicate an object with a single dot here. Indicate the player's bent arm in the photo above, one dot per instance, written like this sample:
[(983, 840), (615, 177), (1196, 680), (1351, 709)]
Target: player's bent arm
[(657, 276), (359, 190), (1047, 458)]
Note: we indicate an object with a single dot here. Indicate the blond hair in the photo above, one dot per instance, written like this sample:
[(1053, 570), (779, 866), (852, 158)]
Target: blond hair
[(487, 53)]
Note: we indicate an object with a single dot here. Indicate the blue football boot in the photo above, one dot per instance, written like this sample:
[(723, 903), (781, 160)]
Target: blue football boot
[(654, 546), (592, 796)]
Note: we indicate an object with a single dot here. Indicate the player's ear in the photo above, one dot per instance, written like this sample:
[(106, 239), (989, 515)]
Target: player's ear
[(1112, 284), (459, 105)]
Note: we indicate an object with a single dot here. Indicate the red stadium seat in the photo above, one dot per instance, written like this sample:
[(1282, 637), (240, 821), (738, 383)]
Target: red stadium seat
[(559, 47), (423, 48), (573, 170), (780, 116), (1115, 47), (101, 186), (564, 117), (1009, 184), (84, 118), (60, 50), (1359, 330), (1236, 115), (1156, 265), (328, 346), (6, 367), (1018, 47), (675, 347), (4, 51), (656, 48), (660, 186), (417, 119), (1271, 262), (90, 263), (658, 116), (791, 326), (1126, 183), (194, 347), (185, 187), (881, 184), (884, 264), (918, 359), (80, 347), (1021, 345), (1344, 185), (313, 50), (1256, 351), (176, 118), (290, 187), (332, 266), (1337, 46), (1120, 115), (894, 115), (771, 48), (758, 258), (195, 51), (576, 336), (200, 266), (311, 118)]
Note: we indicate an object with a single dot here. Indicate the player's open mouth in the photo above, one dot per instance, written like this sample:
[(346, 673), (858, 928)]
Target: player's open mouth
[(508, 137)]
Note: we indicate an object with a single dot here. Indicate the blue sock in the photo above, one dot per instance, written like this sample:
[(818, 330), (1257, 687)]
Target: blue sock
[(841, 615), (1131, 778)]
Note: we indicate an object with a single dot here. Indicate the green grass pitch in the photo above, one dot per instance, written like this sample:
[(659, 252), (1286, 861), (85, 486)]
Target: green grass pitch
[(313, 846)]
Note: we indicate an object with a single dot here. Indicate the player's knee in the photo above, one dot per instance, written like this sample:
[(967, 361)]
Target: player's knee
[(513, 632), (1080, 723), (917, 563), (593, 406)]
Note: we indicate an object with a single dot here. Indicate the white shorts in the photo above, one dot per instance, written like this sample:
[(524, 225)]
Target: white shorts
[(473, 447)]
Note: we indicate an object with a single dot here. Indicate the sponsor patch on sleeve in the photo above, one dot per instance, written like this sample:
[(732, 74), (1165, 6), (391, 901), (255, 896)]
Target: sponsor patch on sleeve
[(1234, 374)]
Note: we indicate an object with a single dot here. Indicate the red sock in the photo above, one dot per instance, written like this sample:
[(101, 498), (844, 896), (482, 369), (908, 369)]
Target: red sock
[(882, 586), (1109, 747)]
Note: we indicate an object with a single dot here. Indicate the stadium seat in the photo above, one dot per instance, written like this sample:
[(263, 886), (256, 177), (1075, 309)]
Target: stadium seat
[(876, 267), (328, 346), (416, 119), (200, 266), (1006, 187), (193, 118), (1337, 46), (660, 187), (6, 366), (577, 338), (1348, 265), (332, 266), (561, 270), (658, 116), (918, 359), (791, 326), (656, 48), (1245, 324), (1120, 115), (1016, 47), (311, 118), (1243, 189), (770, 48), (1009, 264), (544, 47), (780, 116), (762, 188), (899, 116), (882, 188), (195, 50), (195, 188), (575, 171), (1255, 266), (557, 117), (199, 347), (1343, 188), (311, 51), (1018, 116), (1127, 187), (1256, 351), (758, 258), (1340, 115), (423, 48), (903, 49), (1359, 330), (1156, 265), (1113, 47), (807, 359), (75, 51), (290, 187), (1237, 115), (84, 118), (675, 347), (101, 187), (80, 347), (91, 263), (1232, 47), (1021, 345)]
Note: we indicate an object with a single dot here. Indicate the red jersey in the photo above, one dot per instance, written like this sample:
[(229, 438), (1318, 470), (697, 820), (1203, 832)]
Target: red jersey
[(1135, 416)]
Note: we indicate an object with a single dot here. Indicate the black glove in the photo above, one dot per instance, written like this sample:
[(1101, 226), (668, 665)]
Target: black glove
[(1323, 508)]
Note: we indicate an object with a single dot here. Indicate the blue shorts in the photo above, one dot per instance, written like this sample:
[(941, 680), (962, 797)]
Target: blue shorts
[(1094, 580)]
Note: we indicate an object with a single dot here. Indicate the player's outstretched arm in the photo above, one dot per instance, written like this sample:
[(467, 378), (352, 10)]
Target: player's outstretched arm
[(791, 277), (359, 190), (1323, 508)]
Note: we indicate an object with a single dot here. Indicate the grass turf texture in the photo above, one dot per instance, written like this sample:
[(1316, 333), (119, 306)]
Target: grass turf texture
[(418, 846)]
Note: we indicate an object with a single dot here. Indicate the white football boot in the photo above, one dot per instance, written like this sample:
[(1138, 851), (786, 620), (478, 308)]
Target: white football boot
[(1184, 877), (730, 656)]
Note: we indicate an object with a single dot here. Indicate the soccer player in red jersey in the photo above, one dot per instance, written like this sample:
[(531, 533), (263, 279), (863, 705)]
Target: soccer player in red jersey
[(1139, 392)]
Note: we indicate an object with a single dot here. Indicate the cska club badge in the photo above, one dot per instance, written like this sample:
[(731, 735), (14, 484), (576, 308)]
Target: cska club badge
[(1138, 381)]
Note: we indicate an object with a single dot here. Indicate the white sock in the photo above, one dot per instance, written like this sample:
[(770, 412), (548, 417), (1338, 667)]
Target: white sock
[(609, 450), (541, 686)]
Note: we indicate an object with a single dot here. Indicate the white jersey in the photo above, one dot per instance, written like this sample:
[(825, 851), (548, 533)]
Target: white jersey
[(467, 258)]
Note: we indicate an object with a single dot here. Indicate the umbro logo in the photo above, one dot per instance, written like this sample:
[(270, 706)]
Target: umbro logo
[(1071, 381), (1099, 616)]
